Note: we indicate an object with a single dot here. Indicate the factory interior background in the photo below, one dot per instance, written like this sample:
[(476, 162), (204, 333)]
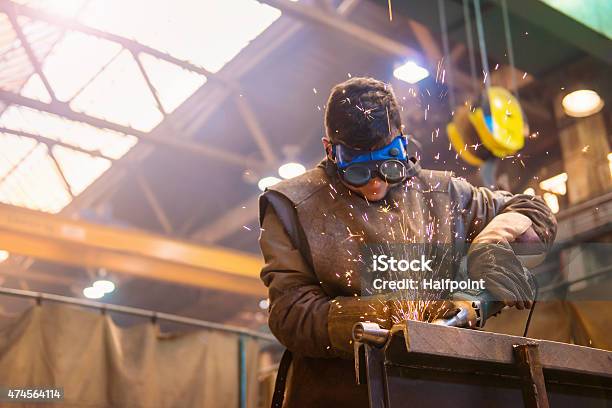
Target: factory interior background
[(136, 138)]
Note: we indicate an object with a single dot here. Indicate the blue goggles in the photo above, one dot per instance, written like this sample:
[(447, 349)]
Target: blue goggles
[(358, 167)]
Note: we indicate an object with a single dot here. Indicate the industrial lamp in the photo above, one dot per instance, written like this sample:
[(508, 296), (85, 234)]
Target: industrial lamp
[(582, 103), (410, 72)]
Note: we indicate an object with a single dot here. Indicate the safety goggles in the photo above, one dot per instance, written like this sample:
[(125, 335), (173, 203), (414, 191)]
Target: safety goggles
[(358, 167)]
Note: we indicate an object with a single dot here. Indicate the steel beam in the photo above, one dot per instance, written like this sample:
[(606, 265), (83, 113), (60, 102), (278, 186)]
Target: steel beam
[(123, 250), (255, 129), (52, 142), (150, 85), (336, 23), (154, 203), (228, 223), (64, 110), (582, 221), (29, 51)]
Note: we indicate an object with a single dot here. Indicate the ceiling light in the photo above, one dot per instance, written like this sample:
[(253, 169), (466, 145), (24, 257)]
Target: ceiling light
[(556, 184), (264, 304), (104, 285), (529, 191), (582, 103), (267, 182), (4, 255), (93, 293), (290, 170), (552, 202), (410, 72)]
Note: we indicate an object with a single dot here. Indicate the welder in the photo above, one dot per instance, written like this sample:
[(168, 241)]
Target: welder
[(369, 192)]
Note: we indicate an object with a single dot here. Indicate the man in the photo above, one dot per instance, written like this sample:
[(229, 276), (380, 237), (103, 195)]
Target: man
[(317, 230)]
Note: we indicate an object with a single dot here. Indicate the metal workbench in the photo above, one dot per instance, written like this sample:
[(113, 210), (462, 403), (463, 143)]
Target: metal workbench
[(423, 365)]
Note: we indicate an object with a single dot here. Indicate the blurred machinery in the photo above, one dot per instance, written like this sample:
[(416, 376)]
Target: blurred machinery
[(496, 130)]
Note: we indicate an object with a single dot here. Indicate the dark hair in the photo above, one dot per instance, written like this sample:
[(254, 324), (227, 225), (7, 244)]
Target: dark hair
[(362, 113)]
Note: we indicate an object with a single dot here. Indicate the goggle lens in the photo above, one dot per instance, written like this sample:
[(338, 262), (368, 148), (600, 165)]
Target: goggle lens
[(357, 175), (392, 171)]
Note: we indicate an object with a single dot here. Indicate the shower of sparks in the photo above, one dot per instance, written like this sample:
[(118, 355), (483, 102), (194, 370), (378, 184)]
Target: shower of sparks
[(390, 12), (385, 209), (352, 235)]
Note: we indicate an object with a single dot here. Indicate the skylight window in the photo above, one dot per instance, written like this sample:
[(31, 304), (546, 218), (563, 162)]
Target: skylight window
[(207, 33), (103, 79)]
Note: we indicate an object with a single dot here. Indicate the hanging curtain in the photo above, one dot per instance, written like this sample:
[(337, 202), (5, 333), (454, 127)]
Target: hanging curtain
[(101, 365)]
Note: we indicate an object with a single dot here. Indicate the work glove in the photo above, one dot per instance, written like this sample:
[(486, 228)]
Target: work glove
[(492, 259)]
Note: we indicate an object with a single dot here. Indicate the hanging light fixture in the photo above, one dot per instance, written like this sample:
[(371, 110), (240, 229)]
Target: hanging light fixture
[(91, 292), (104, 285), (582, 103), (267, 182), (410, 72), (529, 191), (290, 170), (556, 184), (551, 201)]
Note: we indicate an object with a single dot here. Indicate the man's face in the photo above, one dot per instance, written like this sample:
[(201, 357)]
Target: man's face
[(376, 189)]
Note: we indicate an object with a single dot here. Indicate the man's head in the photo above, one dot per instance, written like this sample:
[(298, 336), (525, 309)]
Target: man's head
[(362, 113)]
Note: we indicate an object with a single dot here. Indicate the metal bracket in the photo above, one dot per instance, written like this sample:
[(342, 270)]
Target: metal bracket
[(530, 369)]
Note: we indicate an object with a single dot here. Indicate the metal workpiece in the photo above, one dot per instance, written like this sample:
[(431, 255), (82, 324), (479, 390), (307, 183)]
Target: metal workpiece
[(371, 333), (435, 364), (461, 319)]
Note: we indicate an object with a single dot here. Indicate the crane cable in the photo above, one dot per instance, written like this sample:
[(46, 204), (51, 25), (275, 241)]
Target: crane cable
[(482, 45), (509, 47), (447, 62), (467, 16)]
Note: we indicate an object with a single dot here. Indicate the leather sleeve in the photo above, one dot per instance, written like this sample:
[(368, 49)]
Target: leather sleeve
[(298, 305), (542, 218), (491, 221), (477, 206), (302, 316)]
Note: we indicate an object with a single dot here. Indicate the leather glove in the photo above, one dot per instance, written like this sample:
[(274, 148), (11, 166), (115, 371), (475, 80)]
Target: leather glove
[(491, 258), (503, 274)]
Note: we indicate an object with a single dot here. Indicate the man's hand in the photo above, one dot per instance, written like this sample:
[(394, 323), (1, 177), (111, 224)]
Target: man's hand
[(492, 259)]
